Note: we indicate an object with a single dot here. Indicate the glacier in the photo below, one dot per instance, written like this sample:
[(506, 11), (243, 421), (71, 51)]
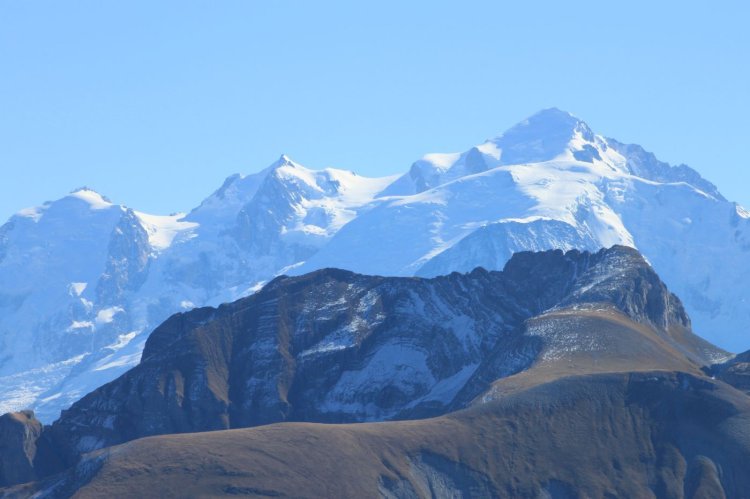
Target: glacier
[(83, 280)]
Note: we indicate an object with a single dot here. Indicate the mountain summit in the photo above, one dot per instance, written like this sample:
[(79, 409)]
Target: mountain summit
[(542, 137), (83, 281)]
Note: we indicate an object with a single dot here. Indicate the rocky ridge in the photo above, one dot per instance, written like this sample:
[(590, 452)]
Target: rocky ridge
[(334, 346)]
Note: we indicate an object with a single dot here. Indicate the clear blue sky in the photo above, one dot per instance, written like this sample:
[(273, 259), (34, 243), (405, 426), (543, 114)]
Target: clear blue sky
[(154, 103)]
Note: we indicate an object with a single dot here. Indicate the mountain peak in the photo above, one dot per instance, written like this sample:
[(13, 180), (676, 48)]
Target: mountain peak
[(551, 122), (541, 137), (95, 200), (88, 189), (553, 113), (285, 160)]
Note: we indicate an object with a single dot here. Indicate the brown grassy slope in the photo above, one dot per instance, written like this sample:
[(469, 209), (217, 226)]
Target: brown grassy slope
[(650, 434), (597, 339), (575, 342)]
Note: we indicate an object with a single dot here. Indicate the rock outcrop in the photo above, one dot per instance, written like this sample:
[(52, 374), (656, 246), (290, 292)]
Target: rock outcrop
[(19, 432)]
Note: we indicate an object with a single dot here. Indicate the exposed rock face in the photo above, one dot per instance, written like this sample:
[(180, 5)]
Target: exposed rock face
[(260, 222), (4, 230), (19, 432), (127, 261), (333, 346)]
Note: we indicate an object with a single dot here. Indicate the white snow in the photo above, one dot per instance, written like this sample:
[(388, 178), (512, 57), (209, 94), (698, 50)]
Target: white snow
[(122, 341), (325, 347), (77, 288), (282, 271), (24, 389), (80, 325), (255, 287), (122, 361), (34, 213), (95, 200), (442, 160), (490, 149), (163, 229), (107, 315), (332, 200), (293, 171)]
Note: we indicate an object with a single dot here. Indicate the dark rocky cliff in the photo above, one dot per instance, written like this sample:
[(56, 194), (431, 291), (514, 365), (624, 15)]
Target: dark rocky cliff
[(18, 446)]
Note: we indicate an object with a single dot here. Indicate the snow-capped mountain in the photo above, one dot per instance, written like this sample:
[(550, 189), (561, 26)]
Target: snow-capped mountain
[(83, 281), (550, 182)]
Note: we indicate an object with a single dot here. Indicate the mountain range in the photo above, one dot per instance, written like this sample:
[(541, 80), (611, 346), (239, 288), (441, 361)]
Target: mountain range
[(569, 374), (84, 281)]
